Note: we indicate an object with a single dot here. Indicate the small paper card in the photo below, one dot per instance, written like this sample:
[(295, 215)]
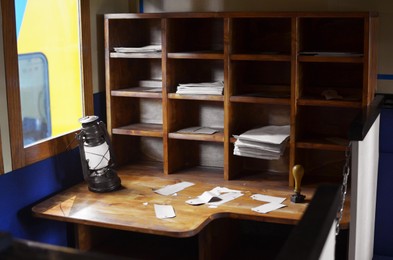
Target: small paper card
[(216, 196), (204, 198), (164, 211), (267, 198), (225, 198), (171, 189), (268, 207)]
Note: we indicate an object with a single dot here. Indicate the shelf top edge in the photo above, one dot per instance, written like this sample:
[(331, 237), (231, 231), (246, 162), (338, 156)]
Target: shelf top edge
[(243, 14)]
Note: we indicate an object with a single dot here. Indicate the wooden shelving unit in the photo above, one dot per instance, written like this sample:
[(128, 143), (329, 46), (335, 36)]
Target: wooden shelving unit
[(275, 67)]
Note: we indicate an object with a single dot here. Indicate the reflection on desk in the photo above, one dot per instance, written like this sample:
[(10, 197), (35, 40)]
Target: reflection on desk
[(132, 207), (124, 223)]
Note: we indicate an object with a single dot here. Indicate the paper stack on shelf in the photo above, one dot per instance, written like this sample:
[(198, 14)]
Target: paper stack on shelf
[(144, 49), (266, 142), (204, 88), (199, 130)]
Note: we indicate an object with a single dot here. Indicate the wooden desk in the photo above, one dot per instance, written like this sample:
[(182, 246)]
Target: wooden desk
[(131, 208)]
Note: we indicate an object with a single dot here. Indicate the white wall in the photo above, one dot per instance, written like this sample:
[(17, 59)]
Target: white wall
[(383, 7), (97, 10), (364, 176)]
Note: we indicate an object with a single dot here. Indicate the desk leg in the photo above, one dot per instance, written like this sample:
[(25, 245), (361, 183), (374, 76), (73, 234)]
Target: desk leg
[(91, 238), (83, 237), (216, 238)]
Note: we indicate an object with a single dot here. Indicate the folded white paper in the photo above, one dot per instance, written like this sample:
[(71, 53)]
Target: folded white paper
[(216, 196), (268, 207), (267, 198), (171, 189), (164, 211), (203, 198), (225, 198)]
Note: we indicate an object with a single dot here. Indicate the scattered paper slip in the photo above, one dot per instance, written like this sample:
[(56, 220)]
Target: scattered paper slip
[(215, 197), (225, 198), (268, 207), (203, 198), (164, 211), (267, 198), (171, 189)]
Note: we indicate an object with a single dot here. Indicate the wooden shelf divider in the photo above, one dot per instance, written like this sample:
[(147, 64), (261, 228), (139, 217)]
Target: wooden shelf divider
[(275, 68)]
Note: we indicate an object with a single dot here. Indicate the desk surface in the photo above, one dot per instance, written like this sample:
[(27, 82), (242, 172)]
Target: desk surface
[(132, 207)]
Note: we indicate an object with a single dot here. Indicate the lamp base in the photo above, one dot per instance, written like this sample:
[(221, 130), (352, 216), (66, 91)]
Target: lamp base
[(109, 181)]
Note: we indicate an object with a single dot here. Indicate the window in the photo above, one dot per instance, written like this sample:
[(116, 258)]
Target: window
[(48, 75)]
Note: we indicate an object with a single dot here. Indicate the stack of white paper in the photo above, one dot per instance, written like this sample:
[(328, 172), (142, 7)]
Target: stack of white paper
[(204, 88), (266, 142), (144, 49), (273, 203)]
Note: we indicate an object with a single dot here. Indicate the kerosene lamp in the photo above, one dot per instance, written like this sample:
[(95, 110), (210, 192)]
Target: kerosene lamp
[(97, 156)]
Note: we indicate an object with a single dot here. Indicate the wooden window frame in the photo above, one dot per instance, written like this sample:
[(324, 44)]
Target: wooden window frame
[(22, 156), (1, 158)]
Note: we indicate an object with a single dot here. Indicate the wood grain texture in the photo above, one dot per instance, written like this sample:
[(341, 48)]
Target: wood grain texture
[(131, 208)]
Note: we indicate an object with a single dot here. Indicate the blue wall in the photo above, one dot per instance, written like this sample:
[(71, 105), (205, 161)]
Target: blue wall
[(383, 240), (22, 188)]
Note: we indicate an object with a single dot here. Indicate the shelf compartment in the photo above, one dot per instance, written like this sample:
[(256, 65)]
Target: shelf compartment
[(142, 92), (216, 137), (267, 79), (331, 34), (182, 71), (260, 100), (216, 98), (126, 73), (196, 55), (195, 35), (189, 113), (140, 129), (335, 59), (262, 170), (141, 112), (324, 123), (261, 35), (157, 55), (321, 165), (187, 154), (318, 145), (249, 116), (346, 79), (261, 57), (133, 33), (328, 103), (136, 149)]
